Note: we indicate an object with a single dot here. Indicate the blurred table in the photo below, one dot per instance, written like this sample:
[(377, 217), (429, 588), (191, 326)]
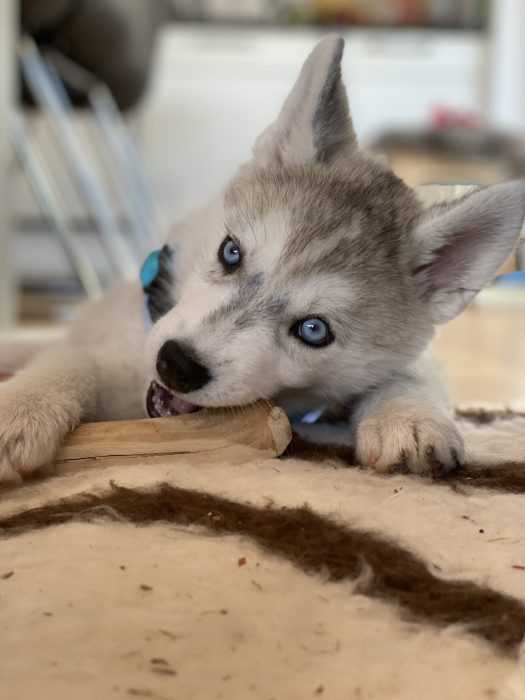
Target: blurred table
[(482, 353), (8, 33)]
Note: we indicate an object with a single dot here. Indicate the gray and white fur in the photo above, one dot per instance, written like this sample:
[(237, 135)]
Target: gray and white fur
[(325, 232)]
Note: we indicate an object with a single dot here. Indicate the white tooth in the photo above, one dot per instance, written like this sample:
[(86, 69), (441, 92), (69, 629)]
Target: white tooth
[(157, 404)]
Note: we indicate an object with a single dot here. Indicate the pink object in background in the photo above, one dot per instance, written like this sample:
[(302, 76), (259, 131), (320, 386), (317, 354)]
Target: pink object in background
[(447, 117)]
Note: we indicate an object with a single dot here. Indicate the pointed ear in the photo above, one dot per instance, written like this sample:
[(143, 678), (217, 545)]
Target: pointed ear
[(460, 247), (314, 124)]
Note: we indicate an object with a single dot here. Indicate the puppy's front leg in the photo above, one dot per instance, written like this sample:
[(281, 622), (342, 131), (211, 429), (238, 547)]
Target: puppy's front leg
[(408, 424), (41, 405)]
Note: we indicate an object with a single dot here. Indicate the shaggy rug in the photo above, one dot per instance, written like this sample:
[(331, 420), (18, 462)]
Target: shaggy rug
[(241, 576)]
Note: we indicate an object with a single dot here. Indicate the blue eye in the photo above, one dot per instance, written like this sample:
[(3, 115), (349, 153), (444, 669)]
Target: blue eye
[(230, 254), (314, 332)]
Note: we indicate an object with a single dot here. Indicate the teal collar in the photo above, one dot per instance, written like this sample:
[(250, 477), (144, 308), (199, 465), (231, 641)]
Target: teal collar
[(157, 281)]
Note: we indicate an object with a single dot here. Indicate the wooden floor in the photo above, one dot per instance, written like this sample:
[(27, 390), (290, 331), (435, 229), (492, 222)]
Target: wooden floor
[(483, 355)]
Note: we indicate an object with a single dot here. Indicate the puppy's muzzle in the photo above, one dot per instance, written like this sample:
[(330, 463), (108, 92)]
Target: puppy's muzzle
[(180, 369)]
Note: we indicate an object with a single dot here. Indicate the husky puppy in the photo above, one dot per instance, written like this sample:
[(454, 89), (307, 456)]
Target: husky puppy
[(316, 278)]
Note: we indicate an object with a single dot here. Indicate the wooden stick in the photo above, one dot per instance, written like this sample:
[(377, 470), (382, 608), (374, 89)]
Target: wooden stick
[(262, 426)]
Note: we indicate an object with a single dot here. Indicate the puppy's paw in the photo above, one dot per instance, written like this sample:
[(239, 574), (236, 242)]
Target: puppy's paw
[(419, 442), (31, 430)]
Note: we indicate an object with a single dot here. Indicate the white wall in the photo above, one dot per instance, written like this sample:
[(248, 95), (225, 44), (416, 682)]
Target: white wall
[(216, 89)]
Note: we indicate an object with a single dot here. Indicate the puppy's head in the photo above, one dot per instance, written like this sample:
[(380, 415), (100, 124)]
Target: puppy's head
[(318, 274)]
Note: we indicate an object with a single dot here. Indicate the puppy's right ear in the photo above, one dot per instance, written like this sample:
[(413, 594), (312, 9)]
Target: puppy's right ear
[(314, 124), (459, 248)]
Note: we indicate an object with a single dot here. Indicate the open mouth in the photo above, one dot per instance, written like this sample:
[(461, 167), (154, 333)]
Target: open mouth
[(161, 402)]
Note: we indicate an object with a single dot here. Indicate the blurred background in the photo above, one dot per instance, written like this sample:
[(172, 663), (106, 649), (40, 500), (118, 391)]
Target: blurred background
[(117, 117)]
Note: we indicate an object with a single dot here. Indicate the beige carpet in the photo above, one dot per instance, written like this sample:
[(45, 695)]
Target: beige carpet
[(245, 577)]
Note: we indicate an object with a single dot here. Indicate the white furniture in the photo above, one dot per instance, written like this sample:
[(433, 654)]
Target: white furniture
[(8, 32), (506, 65)]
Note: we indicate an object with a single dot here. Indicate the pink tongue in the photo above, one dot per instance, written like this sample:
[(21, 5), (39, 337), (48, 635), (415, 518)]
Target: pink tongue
[(161, 402), (178, 405)]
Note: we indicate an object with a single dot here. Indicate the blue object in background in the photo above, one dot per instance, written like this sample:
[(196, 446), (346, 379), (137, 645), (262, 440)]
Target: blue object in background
[(512, 279), (158, 282), (150, 269)]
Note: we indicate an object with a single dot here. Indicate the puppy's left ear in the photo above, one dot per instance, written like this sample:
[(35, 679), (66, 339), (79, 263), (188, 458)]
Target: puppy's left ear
[(314, 124), (460, 248)]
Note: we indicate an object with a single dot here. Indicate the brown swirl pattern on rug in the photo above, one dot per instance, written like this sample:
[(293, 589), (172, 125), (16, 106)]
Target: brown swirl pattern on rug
[(315, 544)]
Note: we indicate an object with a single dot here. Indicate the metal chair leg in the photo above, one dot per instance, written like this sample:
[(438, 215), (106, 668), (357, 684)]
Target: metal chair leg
[(119, 153), (51, 101), (132, 178), (50, 202)]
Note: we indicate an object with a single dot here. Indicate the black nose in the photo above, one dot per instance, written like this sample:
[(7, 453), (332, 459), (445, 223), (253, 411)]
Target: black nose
[(179, 368)]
